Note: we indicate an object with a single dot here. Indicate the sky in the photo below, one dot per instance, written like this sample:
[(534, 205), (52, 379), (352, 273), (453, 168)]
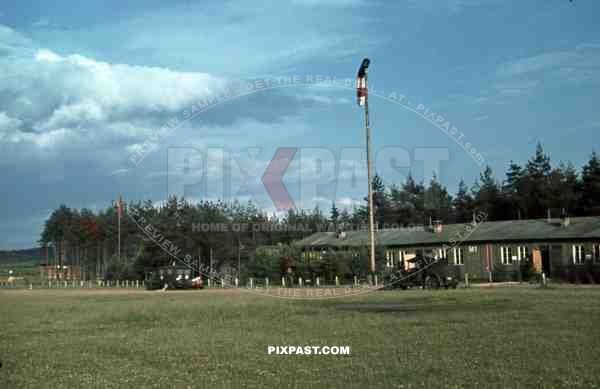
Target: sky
[(101, 98)]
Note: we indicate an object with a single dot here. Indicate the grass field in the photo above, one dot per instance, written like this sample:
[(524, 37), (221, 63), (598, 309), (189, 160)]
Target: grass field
[(473, 338)]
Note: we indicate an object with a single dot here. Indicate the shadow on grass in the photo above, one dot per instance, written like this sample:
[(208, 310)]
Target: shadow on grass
[(413, 309)]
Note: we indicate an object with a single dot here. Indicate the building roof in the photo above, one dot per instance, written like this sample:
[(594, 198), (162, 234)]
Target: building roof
[(536, 230)]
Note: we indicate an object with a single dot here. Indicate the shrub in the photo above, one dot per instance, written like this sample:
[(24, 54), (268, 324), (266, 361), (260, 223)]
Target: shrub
[(502, 275)]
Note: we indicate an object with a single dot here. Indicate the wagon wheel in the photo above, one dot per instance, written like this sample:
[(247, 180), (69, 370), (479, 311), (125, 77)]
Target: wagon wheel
[(432, 282)]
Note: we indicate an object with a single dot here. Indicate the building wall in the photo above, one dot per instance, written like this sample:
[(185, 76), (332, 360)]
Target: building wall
[(504, 258)]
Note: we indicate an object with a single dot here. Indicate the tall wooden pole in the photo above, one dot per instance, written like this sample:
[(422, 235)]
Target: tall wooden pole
[(119, 205), (239, 262), (370, 180)]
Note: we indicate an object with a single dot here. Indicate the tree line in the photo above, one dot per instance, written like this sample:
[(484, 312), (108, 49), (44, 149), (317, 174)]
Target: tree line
[(89, 239)]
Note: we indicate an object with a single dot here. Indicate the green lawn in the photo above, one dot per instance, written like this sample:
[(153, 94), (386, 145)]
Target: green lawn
[(475, 338)]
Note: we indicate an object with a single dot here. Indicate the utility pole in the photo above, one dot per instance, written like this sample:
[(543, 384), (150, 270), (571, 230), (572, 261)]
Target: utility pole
[(119, 205), (362, 93), (119, 211), (119, 214), (239, 262)]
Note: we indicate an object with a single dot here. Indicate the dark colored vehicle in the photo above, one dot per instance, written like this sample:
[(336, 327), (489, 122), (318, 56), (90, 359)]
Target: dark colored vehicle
[(172, 277), (429, 273)]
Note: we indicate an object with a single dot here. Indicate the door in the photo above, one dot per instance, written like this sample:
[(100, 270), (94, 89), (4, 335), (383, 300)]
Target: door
[(545, 251), (537, 260)]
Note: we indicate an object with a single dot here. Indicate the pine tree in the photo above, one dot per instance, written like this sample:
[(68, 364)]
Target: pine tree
[(437, 201), (463, 204), (563, 183), (590, 186), (536, 182), (512, 191), (487, 195), (334, 214)]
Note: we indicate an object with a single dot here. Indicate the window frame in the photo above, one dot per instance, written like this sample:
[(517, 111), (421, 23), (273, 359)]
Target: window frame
[(506, 255), (389, 257), (458, 257), (596, 252), (522, 252), (578, 249)]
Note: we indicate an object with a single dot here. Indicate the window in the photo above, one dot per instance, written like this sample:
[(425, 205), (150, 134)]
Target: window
[(401, 255), (439, 253), (578, 254), (506, 255), (458, 256), (522, 253), (389, 258)]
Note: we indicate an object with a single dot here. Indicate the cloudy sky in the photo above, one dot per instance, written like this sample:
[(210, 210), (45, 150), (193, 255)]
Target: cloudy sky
[(85, 87)]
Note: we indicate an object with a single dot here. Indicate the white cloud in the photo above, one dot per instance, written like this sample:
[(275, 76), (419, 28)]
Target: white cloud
[(47, 55), (8, 127), (118, 172), (534, 63), (127, 88), (8, 123)]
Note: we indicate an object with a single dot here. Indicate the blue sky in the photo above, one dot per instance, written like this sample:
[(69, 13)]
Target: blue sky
[(84, 84)]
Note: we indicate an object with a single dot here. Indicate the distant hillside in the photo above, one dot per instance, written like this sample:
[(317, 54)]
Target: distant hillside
[(32, 255)]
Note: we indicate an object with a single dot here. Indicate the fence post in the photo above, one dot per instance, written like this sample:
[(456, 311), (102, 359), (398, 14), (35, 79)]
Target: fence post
[(222, 283), (543, 279), (337, 281), (237, 282), (467, 280), (283, 281), (267, 281), (300, 282), (376, 280), (355, 281), (318, 283), (251, 283)]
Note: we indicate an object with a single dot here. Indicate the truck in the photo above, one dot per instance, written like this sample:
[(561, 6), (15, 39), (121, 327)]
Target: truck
[(431, 273), (172, 277)]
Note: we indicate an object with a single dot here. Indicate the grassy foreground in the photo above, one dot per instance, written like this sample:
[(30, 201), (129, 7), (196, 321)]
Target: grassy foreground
[(218, 339)]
